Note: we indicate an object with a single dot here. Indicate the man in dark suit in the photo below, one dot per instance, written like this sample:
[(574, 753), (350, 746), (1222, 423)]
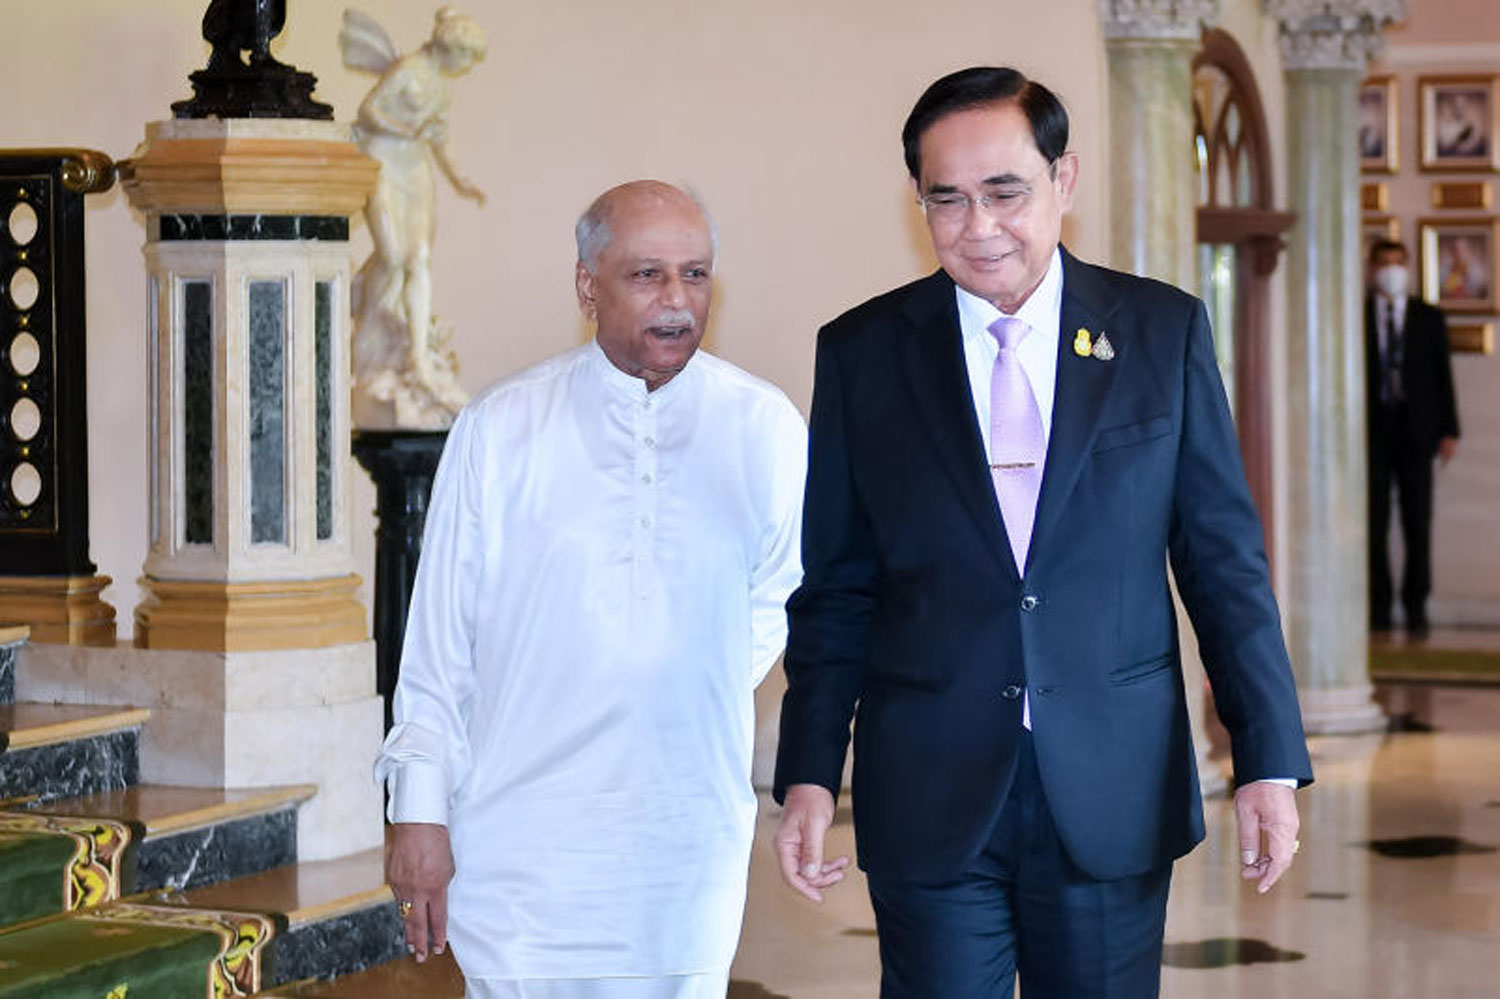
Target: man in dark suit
[(1411, 419), (1003, 455)]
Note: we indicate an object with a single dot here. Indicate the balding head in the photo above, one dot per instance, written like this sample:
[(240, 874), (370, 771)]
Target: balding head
[(594, 229), (645, 277)]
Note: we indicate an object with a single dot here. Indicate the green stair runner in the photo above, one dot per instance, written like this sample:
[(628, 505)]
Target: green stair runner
[(51, 864), (135, 951)]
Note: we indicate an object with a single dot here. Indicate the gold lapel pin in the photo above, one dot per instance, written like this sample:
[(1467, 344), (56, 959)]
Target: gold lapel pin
[(1103, 349), (1082, 343)]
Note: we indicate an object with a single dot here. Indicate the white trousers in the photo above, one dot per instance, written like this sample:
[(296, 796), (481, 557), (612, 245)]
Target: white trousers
[(713, 985)]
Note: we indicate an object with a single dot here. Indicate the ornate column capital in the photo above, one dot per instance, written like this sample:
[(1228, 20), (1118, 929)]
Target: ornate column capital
[(1170, 20), (1332, 34)]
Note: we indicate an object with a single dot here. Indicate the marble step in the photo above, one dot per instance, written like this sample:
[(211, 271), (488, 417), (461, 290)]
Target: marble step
[(50, 751), (403, 978), (334, 917), (198, 836)]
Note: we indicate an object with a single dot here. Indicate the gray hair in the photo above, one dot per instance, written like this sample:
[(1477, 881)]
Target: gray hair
[(592, 232)]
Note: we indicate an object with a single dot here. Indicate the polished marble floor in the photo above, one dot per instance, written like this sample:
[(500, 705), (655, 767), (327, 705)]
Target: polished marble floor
[(1395, 895)]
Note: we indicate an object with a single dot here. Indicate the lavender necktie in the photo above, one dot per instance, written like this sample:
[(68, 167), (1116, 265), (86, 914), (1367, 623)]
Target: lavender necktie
[(1018, 446)]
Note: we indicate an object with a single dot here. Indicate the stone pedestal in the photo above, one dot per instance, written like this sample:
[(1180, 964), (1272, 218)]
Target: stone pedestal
[(402, 463), (241, 719), (1325, 49), (12, 638), (259, 670), (1150, 45)]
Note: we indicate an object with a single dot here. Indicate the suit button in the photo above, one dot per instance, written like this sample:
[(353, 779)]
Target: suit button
[(1028, 602), (1011, 693)]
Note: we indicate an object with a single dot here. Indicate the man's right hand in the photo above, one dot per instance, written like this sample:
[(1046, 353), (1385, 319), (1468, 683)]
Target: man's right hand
[(418, 868), (805, 817)]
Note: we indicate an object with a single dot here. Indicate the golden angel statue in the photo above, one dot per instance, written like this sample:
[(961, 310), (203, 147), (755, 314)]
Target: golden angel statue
[(404, 376)]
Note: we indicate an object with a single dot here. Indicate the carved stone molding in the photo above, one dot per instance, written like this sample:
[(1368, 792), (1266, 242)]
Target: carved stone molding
[(1170, 20), (1332, 34)]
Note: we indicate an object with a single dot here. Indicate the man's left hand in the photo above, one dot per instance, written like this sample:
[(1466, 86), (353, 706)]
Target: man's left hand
[(1267, 817), (1447, 448)]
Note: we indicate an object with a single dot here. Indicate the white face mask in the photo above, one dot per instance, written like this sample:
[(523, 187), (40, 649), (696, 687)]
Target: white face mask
[(1392, 280)]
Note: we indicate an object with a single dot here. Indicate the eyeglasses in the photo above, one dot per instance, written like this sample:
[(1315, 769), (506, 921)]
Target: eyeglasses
[(1001, 199)]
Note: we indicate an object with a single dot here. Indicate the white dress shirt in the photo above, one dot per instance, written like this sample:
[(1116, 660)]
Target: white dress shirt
[(1037, 352), (601, 588)]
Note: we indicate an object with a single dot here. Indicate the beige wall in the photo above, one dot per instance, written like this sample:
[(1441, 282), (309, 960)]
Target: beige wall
[(1445, 37), (784, 114)]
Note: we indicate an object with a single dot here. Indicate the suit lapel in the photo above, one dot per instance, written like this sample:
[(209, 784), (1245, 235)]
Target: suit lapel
[(1083, 387), (932, 359)]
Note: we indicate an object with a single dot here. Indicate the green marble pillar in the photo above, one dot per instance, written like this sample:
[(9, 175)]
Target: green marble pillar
[(1327, 612), (1151, 170)]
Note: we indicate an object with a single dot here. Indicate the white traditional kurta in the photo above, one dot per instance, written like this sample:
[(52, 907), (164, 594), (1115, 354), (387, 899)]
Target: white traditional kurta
[(601, 588)]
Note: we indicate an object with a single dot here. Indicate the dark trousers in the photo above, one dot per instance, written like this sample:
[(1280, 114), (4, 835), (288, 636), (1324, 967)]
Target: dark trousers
[(1022, 907), (1398, 462)]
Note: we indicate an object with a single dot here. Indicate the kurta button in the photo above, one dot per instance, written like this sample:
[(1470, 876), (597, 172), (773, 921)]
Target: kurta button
[(1028, 602), (1011, 693)]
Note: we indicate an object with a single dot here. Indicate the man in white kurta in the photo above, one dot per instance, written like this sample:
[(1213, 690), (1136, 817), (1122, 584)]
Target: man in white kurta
[(611, 538)]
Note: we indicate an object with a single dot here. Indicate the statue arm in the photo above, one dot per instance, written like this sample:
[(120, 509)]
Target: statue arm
[(461, 184)]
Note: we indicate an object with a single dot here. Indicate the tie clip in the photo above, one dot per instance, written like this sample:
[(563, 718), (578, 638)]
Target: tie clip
[(1013, 464)]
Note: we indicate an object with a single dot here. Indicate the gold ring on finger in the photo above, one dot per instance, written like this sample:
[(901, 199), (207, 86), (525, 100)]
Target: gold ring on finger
[(1296, 845), (403, 907)]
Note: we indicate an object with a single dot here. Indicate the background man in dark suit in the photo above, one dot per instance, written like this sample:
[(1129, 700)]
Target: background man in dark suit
[(1412, 418), (1004, 636)]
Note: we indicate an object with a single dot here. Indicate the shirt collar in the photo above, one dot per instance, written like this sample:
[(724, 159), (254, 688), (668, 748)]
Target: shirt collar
[(1042, 310), (629, 385)]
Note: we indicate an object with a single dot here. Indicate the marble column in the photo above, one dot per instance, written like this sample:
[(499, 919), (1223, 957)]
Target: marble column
[(1153, 184), (1325, 47), (1153, 195)]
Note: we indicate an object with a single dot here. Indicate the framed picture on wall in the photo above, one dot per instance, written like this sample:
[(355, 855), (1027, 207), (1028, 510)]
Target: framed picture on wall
[(1470, 194), (1459, 263), (1472, 338), (1460, 121), (1375, 228), (1378, 144)]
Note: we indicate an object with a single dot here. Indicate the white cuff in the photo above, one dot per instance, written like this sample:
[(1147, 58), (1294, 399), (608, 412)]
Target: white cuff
[(419, 793), (1290, 782)]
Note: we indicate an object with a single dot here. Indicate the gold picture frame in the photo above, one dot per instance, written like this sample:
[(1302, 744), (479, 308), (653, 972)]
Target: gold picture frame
[(1459, 121), (1460, 263), (1464, 194), (1471, 338), (1374, 196), (1378, 122)]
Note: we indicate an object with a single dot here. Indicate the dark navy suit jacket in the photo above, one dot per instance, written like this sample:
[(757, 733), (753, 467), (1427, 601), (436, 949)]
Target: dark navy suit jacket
[(1431, 412), (913, 620)]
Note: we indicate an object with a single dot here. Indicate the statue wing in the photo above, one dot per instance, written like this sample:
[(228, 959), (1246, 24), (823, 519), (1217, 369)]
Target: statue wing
[(364, 44)]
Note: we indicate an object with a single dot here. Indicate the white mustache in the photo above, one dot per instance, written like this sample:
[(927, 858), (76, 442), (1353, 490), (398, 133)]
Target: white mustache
[(674, 317)]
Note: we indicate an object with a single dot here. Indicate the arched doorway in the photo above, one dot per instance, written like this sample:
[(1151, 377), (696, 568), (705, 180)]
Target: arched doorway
[(1239, 243)]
